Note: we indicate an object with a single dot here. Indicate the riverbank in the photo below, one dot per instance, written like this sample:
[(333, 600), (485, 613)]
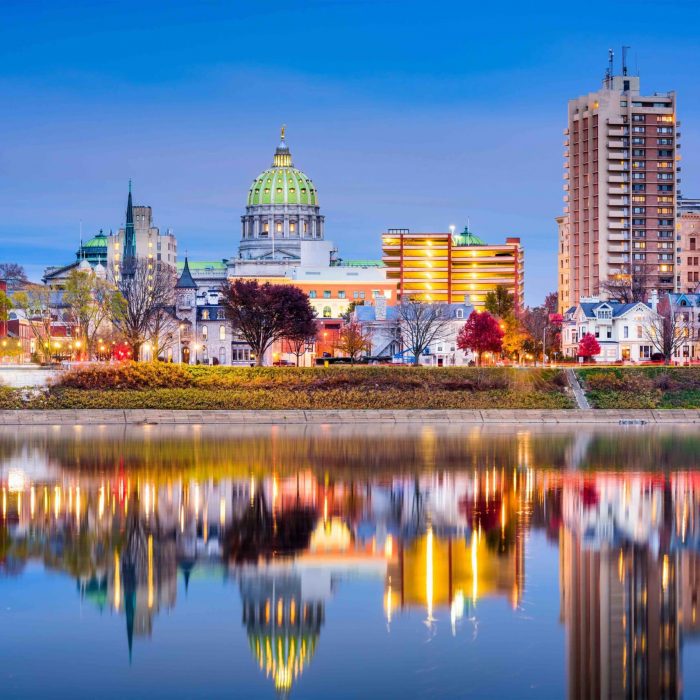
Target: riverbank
[(321, 417)]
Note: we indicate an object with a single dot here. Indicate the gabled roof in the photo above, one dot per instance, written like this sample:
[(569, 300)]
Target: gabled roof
[(618, 309)]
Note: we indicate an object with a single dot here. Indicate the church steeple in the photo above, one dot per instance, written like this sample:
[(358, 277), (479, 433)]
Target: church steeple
[(129, 233)]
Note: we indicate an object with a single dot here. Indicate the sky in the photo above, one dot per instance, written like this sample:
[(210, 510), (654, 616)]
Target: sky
[(405, 114)]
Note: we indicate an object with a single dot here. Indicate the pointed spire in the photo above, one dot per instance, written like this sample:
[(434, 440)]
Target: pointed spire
[(186, 281), (129, 234)]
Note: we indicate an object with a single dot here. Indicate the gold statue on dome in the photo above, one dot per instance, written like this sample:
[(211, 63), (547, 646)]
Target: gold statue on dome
[(284, 126)]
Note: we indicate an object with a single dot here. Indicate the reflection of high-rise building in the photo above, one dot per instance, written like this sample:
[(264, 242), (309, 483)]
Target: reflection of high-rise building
[(619, 591)]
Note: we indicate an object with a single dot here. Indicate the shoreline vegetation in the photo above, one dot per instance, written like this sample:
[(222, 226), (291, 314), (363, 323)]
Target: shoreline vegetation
[(185, 387)]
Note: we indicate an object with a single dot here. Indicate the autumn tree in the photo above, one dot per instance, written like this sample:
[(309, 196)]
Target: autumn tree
[(14, 275), (302, 337), (667, 330), (515, 337), (588, 346), (92, 302), (265, 313), (37, 304), (499, 302), (353, 340), (420, 324), (481, 333), (147, 292), (5, 306)]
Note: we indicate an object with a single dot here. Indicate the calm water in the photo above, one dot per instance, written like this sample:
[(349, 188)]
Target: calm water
[(349, 562)]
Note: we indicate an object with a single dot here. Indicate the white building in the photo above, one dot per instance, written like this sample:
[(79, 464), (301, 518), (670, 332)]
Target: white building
[(622, 330), (383, 326)]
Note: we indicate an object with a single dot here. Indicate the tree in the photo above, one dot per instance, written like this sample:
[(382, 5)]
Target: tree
[(666, 330), (36, 302), (5, 306), (265, 313), (481, 333), (351, 308), (92, 302), (303, 337), (146, 292), (353, 339), (515, 336), (588, 346), (629, 286), (421, 323), (14, 275), (499, 302)]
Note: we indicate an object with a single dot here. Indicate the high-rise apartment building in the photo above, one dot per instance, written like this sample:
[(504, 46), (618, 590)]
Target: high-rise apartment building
[(688, 245), (620, 189)]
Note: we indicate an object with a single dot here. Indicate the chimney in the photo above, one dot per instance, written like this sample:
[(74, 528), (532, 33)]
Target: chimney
[(380, 308), (654, 299), (467, 300)]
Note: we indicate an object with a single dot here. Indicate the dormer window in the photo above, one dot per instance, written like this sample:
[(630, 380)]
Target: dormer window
[(604, 313), (460, 313)]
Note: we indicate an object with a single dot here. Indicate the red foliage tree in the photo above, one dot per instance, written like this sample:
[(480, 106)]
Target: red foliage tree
[(588, 346), (265, 313), (481, 333)]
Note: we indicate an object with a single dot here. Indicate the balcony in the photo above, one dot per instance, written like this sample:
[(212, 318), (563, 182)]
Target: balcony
[(618, 201), (618, 178), (618, 167), (616, 144), (618, 225), (619, 132)]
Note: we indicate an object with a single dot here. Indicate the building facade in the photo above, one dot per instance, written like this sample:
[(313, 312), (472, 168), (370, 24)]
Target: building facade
[(382, 325), (620, 188), (688, 245), (622, 330), (444, 267)]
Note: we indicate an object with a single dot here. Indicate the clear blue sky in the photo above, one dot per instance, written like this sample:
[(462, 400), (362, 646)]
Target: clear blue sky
[(405, 114)]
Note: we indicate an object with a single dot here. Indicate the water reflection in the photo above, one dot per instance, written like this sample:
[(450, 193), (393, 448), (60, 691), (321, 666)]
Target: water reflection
[(441, 518)]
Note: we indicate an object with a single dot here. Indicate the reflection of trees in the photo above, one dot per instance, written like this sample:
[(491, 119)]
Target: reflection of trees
[(260, 533)]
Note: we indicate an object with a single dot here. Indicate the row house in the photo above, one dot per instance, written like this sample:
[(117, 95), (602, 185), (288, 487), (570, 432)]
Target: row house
[(686, 308)]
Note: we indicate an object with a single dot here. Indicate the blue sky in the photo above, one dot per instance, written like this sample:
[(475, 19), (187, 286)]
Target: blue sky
[(405, 114)]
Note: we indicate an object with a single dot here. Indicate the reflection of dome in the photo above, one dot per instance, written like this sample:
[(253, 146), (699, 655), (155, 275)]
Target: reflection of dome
[(283, 626)]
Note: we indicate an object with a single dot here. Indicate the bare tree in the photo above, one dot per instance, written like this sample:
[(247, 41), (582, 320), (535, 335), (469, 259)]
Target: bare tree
[(628, 287), (420, 324), (37, 304), (148, 291), (14, 275), (667, 330)]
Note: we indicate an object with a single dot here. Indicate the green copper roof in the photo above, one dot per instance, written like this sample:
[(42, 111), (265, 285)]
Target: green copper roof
[(98, 241), (203, 265), (466, 238), (282, 183), (362, 263)]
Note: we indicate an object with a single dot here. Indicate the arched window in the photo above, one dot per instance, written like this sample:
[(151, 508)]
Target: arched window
[(327, 312), (205, 332), (222, 355), (205, 314), (460, 313), (222, 332)]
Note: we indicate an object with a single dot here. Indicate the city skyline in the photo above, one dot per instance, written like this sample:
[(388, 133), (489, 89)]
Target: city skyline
[(387, 142)]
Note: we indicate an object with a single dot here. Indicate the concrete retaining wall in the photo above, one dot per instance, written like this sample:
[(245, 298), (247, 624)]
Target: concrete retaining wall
[(155, 417), (20, 376)]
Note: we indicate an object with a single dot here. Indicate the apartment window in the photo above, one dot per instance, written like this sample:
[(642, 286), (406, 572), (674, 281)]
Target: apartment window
[(327, 312), (222, 332), (637, 117), (625, 332), (639, 332), (638, 210), (638, 176), (637, 129), (664, 142), (692, 244), (355, 295), (362, 295), (341, 294), (665, 153), (638, 152), (639, 245), (638, 140), (608, 332), (312, 294), (664, 130), (664, 188), (639, 188), (597, 331), (326, 293), (640, 198), (205, 332)]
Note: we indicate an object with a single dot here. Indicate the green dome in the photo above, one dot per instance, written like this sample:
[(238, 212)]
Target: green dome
[(282, 183), (98, 241), (466, 238)]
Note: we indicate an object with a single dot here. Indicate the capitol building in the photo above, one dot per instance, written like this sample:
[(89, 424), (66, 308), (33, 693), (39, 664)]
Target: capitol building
[(282, 211)]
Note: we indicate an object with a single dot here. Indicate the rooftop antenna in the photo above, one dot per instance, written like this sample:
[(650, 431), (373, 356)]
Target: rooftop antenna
[(81, 238), (625, 49), (609, 72)]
